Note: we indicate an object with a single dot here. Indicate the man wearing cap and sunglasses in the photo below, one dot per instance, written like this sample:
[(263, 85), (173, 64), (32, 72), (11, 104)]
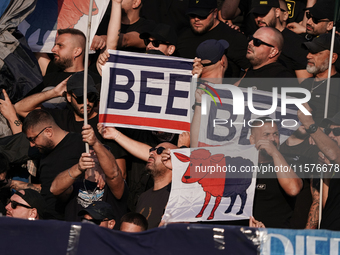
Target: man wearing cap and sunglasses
[(26, 204), (204, 25), (99, 213), (317, 65), (274, 13), (319, 20)]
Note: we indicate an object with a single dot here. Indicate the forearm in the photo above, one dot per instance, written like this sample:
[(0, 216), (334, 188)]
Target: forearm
[(113, 29), (19, 185), (230, 9), (28, 104), (313, 215), (130, 39), (64, 180), (112, 172), (15, 124), (288, 180)]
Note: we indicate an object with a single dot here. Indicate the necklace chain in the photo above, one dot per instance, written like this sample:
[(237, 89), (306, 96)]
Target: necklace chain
[(314, 88)]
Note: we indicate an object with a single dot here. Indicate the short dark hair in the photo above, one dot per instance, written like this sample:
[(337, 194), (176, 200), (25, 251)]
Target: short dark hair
[(76, 32), (135, 218), (37, 117)]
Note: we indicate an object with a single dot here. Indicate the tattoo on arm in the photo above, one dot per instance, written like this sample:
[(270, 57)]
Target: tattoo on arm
[(18, 185), (313, 215), (17, 122)]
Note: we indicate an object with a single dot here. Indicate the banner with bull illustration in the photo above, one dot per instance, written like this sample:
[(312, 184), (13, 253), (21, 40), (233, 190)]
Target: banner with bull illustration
[(229, 111), (212, 184), (146, 91), (40, 27)]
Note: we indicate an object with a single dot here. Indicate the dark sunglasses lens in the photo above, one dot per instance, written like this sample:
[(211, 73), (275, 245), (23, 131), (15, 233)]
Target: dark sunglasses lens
[(155, 43), (257, 42), (336, 131), (14, 204), (327, 131), (152, 149), (160, 150), (146, 42), (92, 98)]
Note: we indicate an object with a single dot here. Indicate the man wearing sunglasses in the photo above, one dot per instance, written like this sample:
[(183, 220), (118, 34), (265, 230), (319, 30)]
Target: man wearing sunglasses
[(71, 119), (274, 13), (26, 204), (160, 40), (204, 25), (317, 65), (99, 213), (319, 20)]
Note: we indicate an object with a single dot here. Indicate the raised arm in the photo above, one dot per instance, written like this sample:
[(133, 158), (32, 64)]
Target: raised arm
[(135, 148), (8, 111), (113, 29), (28, 104), (107, 161)]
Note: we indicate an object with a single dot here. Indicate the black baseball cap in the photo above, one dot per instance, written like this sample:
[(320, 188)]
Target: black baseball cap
[(335, 120), (34, 199), (323, 9), (323, 42), (201, 7), (99, 210), (161, 32), (262, 7), (76, 84), (212, 50)]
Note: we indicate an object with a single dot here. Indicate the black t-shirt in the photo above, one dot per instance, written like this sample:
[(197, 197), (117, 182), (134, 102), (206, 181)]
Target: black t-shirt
[(236, 53), (171, 12), (293, 55), (138, 178), (65, 155), (272, 205), (85, 192), (318, 96), (151, 204), (330, 215), (272, 70), (301, 155), (54, 76), (65, 120), (142, 25)]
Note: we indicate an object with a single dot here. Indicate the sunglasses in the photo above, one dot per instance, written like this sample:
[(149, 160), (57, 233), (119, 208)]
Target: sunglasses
[(155, 43), (336, 131), (15, 204), (315, 20), (258, 42), (92, 97), (93, 221), (158, 150), (32, 139)]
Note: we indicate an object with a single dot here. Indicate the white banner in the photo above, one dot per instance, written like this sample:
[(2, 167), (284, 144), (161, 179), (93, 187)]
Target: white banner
[(145, 91), (212, 184), (40, 27)]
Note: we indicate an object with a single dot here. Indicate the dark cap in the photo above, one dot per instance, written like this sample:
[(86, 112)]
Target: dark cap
[(323, 42), (212, 50), (162, 32), (34, 199), (99, 210), (323, 9), (201, 7), (331, 121), (262, 7), (76, 84)]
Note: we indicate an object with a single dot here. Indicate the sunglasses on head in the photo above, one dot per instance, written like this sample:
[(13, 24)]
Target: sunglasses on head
[(15, 204), (155, 43), (32, 139), (158, 150), (92, 97), (336, 131), (315, 20), (258, 42)]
